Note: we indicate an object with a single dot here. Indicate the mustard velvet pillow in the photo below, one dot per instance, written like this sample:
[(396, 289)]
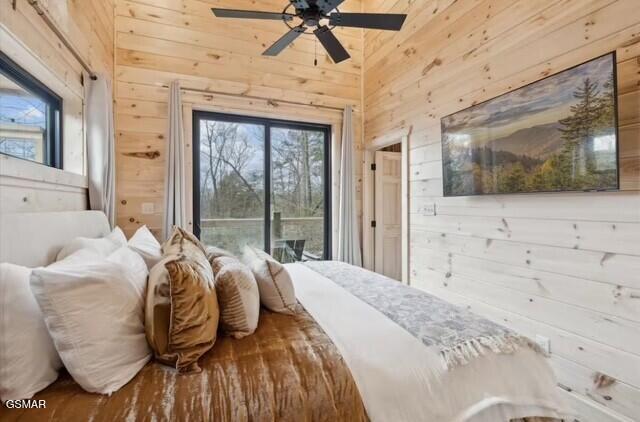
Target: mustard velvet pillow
[(182, 242), (182, 310)]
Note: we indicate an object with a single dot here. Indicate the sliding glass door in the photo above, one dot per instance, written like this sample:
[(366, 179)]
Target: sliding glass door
[(230, 176), (264, 183), (299, 193)]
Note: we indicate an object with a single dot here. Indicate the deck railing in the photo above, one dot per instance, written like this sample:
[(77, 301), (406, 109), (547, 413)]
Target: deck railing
[(227, 232), (217, 222)]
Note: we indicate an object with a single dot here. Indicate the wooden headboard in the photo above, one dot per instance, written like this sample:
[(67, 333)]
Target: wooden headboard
[(34, 239)]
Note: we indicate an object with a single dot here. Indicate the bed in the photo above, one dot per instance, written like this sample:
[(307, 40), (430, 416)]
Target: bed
[(362, 348)]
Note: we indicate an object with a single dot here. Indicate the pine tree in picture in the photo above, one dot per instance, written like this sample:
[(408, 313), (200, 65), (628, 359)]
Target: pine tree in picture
[(557, 134)]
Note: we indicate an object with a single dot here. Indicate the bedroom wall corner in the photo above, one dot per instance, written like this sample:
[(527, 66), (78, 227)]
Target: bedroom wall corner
[(563, 266)]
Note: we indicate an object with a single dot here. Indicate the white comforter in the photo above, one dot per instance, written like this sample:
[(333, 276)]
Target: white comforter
[(402, 380)]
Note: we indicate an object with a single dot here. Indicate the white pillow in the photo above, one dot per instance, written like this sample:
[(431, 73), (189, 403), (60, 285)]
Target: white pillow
[(28, 359), (93, 309), (102, 246), (146, 245)]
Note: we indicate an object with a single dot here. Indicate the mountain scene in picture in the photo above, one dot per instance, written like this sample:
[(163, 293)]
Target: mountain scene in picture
[(557, 134)]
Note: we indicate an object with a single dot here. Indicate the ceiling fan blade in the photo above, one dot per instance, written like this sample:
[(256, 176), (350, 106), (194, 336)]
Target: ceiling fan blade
[(284, 41), (250, 14), (388, 21), (327, 6), (331, 44), (300, 4)]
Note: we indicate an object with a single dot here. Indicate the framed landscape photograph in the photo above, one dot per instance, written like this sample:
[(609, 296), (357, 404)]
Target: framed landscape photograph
[(556, 134)]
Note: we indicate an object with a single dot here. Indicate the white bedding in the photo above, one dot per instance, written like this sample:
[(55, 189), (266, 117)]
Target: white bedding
[(400, 379)]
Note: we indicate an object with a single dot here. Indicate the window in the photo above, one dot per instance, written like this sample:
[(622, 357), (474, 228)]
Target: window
[(264, 183), (30, 122)]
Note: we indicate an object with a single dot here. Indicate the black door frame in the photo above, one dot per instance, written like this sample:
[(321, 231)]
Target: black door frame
[(267, 123)]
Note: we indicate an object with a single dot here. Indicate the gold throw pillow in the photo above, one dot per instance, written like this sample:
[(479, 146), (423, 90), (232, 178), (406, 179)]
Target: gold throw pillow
[(182, 313), (182, 242)]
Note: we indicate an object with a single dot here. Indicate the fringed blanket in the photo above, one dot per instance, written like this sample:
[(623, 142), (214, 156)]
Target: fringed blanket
[(417, 358), (458, 334)]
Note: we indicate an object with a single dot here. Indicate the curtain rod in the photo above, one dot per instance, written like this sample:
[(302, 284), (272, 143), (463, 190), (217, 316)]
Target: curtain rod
[(252, 97), (45, 17)]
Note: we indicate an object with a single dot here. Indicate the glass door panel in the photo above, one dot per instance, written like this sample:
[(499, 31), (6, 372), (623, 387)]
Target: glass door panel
[(262, 182), (232, 184), (298, 194)]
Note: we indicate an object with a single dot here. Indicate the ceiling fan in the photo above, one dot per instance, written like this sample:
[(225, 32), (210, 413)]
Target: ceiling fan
[(312, 12)]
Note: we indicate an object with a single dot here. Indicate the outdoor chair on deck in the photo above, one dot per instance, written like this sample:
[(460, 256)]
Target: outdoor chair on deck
[(287, 251)]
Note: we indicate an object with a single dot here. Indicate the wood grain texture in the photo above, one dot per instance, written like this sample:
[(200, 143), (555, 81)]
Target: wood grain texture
[(564, 266), (161, 41), (89, 26), (29, 187)]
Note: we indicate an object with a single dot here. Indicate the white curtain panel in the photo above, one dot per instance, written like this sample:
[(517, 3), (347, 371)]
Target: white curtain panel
[(175, 205), (348, 233), (100, 146)]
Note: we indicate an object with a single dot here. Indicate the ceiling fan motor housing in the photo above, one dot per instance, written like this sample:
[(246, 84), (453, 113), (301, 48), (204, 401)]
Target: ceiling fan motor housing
[(311, 17)]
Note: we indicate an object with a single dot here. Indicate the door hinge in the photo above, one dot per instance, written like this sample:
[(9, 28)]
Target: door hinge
[(373, 167), (373, 223)]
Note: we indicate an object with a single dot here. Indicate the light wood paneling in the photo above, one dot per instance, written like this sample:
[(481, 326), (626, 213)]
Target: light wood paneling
[(25, 187), (565, 266), (161, 41), (89, 26)]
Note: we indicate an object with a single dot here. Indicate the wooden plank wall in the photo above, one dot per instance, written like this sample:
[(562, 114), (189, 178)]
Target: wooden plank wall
[(24, 37), (565, 266), (163, 40)]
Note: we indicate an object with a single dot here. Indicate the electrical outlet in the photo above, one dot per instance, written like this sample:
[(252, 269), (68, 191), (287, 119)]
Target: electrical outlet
[(544, 343), (148, 208), (429, 210)]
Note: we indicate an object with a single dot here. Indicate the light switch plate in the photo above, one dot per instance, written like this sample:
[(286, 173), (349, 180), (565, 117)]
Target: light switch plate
[(429, 210), (148, 208)]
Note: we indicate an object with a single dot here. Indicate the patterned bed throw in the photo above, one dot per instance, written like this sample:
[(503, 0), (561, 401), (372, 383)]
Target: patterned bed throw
[(460, 335)]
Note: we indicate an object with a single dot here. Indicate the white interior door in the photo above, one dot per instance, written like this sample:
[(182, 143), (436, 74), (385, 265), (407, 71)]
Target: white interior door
[(388, 214)]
